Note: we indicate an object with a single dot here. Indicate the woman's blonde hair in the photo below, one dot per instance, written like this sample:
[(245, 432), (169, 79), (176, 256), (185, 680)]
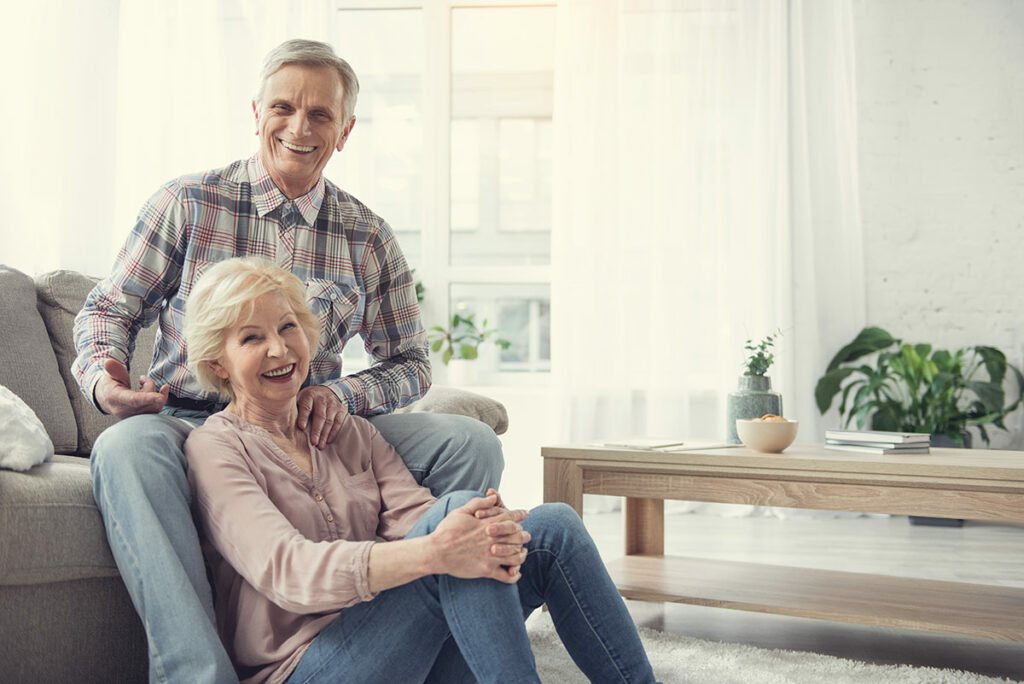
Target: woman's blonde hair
[(225, 295)]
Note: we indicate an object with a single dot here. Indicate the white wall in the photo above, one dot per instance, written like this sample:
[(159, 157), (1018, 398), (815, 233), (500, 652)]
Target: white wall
[(59, 89), (940, 88)]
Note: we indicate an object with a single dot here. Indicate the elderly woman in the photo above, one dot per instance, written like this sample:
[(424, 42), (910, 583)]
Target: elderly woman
[(332, 563)]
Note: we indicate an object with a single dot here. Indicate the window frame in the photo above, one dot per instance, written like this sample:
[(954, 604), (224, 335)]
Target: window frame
[(435, 269)]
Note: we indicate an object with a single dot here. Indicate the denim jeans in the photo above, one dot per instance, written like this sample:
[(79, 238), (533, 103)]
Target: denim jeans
[(142, 491), (420, 631)]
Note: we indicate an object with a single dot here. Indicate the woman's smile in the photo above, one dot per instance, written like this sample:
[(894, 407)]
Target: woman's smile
[(283, 374)]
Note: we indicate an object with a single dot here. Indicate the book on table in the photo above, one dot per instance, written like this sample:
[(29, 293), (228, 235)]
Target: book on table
[(878, 436), (878, 442), (880, 449)]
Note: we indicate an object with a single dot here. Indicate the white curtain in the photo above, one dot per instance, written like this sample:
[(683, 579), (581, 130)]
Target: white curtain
[(706, 193), (115, 98)]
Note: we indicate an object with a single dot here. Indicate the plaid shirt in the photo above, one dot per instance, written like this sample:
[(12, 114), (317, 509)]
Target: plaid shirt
[(357, 281)]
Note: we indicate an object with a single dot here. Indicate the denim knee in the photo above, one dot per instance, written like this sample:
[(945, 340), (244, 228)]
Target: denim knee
[(136, 448), (445, 504), (556, 526), (453, 500), (488, 460), (557, 515)]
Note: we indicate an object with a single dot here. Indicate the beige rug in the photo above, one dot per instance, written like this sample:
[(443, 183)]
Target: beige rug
[(684, 659)]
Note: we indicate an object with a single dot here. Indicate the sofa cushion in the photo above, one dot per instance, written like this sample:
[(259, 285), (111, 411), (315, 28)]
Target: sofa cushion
[(463, 403), (28, 366), (50, 528), (61, 296)]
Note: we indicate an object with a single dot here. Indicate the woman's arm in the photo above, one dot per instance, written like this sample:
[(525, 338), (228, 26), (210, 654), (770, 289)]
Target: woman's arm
[(259, 542), (404, 502)]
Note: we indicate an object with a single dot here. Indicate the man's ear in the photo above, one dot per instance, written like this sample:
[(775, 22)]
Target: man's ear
[(346, 133)]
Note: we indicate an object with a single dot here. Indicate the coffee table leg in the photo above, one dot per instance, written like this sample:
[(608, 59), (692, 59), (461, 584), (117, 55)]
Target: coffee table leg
[(563, 481), (645, 526)]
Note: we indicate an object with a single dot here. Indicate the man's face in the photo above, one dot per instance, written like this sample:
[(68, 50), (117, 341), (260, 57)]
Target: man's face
[(300, 123)]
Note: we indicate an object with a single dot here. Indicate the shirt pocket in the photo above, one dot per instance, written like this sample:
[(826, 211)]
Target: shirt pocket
[(362, 503), (339, 307)]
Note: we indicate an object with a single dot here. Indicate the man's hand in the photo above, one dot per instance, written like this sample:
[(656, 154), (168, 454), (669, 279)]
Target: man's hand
[(326, 411), (115, 395)]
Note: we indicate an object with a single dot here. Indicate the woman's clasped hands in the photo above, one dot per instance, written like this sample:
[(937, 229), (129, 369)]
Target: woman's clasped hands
[(482, 539)]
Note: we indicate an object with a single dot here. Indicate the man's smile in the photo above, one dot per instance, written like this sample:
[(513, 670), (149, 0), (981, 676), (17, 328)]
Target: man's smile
[(297, 148)]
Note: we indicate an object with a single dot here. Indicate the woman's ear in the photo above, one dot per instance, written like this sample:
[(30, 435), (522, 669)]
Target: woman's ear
[(218, 369)]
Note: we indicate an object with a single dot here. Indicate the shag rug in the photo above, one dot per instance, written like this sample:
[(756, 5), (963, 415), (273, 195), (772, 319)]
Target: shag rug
[(696, 661)]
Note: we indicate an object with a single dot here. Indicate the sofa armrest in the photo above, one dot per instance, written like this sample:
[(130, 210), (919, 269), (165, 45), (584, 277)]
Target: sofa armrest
[(464, 403)]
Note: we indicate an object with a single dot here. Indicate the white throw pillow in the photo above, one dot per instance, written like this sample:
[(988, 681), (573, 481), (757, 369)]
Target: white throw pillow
[(23, 439)]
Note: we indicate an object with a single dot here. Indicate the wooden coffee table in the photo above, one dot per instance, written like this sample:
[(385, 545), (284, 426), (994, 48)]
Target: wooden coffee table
[(951, 483)]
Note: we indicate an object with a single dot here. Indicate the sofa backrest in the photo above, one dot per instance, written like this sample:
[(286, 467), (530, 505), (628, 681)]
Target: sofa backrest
[(61, 295), (28, 366)]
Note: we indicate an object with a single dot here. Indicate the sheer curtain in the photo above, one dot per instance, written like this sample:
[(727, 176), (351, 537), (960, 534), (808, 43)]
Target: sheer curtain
[(115, 98), (706, 194)]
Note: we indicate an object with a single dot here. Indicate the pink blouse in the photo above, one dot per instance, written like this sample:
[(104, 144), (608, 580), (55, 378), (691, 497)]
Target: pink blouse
[(287, 551)]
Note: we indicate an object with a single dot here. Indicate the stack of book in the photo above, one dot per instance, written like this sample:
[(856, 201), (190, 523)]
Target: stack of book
[(876, 442)]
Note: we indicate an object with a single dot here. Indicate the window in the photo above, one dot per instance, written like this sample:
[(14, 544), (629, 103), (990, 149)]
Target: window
[(453, 147)]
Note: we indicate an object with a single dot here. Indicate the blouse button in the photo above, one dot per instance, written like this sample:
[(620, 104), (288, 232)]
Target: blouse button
[(319, 497), (330, 518)]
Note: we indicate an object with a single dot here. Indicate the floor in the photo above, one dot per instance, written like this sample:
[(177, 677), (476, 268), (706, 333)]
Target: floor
[(985, 553)]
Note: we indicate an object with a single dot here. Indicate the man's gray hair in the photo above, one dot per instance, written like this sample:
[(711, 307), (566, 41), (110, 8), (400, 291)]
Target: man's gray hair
[(312, 53)]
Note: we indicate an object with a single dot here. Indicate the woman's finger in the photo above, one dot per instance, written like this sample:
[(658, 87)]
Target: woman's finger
[(503, 528), (478, 504)]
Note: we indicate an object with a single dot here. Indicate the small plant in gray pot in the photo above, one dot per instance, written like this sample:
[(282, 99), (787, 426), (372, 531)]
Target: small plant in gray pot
[(753, 397)]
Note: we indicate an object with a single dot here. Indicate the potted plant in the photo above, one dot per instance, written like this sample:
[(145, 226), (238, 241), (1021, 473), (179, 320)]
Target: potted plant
[(915, 388), (753, 397), (459, 343)]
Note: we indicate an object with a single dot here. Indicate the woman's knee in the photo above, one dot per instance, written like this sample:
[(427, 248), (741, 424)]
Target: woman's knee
[(446, 503), (453, 500), (557, 514), (556, 521)]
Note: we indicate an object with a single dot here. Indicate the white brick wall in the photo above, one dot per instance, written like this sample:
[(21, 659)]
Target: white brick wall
[(940, 88)]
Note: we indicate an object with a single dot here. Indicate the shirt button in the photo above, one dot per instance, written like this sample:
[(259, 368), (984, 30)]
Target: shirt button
[(330, 518), (319, 497)]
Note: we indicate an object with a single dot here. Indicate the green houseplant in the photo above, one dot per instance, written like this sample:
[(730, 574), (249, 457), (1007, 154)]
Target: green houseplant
[(915, 388), (462, 338), (760, 358)]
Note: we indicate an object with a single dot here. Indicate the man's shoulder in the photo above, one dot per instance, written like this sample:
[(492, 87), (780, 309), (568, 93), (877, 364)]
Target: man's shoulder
[(226, 179), (348, 209)]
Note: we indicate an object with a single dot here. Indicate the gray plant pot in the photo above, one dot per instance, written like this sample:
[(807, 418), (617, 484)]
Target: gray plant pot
[(941, 441), (752, 399)]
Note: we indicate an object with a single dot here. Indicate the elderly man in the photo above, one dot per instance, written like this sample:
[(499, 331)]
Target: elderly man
[(278, 205)]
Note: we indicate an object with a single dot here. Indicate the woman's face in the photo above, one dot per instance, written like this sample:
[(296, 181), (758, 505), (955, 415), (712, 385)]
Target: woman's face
[(266, 356)]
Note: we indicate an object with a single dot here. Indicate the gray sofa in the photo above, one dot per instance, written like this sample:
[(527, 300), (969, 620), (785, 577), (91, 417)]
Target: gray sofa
[(64, 612)]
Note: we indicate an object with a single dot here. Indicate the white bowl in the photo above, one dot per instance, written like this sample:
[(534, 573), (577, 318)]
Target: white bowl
[(767, 436)]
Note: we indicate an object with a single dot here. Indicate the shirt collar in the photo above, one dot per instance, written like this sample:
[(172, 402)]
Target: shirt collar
[(267, 196)]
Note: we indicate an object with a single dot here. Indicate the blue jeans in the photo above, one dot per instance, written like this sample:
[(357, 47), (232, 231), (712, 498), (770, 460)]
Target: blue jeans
[(420, 631), (141, 488)]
